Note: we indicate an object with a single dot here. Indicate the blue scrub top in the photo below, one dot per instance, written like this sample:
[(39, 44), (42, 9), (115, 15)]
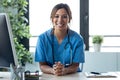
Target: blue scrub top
[(50, 51)]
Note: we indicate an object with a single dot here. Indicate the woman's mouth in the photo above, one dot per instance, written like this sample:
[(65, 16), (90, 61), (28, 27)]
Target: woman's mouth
[(60, 25)]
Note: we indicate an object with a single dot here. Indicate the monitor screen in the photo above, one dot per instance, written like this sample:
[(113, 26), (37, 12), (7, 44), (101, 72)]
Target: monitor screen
[(7, 48)]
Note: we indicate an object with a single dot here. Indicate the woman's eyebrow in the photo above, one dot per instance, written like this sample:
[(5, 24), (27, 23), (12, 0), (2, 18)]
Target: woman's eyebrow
[(60, 14)]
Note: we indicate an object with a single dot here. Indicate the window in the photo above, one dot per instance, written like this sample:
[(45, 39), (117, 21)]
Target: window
[(40, 17), (104, 17)]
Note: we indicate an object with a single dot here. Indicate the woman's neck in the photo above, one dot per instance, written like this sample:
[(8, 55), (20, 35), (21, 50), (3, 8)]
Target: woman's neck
[(60, 35)]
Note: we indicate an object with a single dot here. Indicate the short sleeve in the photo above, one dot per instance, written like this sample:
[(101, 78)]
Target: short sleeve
[(79, 52), (39, 52)]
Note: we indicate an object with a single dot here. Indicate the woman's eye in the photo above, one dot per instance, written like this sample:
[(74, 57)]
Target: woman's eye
[(64, 16), (56, 16)]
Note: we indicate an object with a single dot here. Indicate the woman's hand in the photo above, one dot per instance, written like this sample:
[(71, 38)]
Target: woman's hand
[(58, 69)]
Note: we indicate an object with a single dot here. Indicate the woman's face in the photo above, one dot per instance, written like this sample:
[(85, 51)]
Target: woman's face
[(61, 19)]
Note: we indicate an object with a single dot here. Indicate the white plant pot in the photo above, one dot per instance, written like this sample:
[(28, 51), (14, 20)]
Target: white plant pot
[(97, 47)]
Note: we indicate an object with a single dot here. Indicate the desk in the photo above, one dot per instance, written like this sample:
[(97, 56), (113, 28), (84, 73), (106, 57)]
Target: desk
[(75, 76), (5, 75)]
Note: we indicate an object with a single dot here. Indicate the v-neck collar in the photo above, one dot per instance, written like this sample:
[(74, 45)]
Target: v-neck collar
[(63, 41), (54, 39)]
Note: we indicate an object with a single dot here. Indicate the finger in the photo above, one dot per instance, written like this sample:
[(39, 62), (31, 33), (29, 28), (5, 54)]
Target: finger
[(59, 65), (54, 72), (58, 73)]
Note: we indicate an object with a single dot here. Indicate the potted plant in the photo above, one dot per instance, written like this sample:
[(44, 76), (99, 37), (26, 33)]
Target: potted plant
[(97, 41), (16, 10)]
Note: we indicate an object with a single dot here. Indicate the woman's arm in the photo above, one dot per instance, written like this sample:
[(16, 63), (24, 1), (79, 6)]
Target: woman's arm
[(45, 68), (71, 69), (59, 69)]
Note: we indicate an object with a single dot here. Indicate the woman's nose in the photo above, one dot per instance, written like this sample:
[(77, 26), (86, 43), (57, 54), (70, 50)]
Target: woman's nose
[(60, 19)]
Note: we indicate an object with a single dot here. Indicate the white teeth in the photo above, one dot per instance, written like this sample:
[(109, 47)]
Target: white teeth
[(60, 24)]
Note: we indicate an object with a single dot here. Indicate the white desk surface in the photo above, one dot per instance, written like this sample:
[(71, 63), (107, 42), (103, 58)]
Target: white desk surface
[(5, 75), (75, 76)]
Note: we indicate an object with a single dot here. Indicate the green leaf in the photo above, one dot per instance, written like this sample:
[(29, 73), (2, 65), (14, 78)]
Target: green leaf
[(16, 10)]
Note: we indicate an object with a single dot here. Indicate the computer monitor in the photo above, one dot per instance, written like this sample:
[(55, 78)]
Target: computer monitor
[(7, 48)]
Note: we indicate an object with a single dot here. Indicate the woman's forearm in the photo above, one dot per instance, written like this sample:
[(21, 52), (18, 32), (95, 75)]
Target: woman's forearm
[(71, 69), (49, 70), (46, 69)]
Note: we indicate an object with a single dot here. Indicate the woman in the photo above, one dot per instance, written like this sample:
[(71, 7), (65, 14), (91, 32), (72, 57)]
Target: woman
[(60, 50)]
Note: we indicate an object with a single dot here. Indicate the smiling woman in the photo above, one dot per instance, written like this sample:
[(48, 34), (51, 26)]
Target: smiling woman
[(60, 49), (40, 19)]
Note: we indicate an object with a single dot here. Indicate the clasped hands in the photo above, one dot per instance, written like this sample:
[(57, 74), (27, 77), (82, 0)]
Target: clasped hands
[(58, 69)]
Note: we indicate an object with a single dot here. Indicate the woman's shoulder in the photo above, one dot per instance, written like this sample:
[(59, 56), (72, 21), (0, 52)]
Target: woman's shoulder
[(75, 34)]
